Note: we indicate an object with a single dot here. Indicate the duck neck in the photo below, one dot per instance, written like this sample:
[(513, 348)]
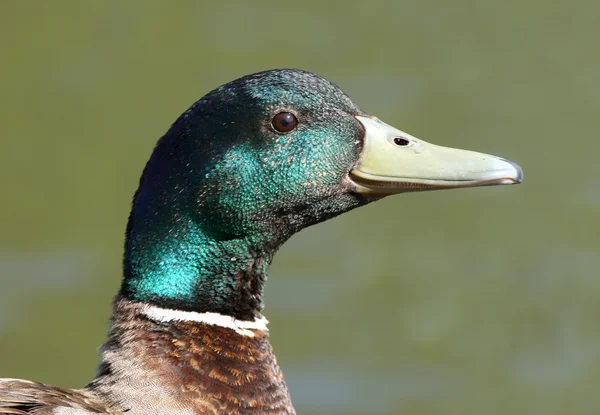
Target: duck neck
[(178, 364), (174, 263)]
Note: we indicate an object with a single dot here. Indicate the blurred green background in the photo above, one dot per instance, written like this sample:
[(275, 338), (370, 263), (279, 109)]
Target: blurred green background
[(463, 302)]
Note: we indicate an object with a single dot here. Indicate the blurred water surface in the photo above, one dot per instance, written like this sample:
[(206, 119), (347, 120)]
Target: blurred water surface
[(470, 301)]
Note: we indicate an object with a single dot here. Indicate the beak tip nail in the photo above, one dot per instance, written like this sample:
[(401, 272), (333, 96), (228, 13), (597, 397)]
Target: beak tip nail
[(518, 171)]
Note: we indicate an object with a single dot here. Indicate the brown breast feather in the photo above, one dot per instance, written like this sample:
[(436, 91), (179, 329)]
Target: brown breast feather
[(210, 369)]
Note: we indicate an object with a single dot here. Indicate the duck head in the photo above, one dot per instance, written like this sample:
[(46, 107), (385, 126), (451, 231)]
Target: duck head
[(255, 161)]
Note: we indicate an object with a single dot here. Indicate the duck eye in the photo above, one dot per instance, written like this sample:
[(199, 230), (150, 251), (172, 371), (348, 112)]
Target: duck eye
[(284, 122)]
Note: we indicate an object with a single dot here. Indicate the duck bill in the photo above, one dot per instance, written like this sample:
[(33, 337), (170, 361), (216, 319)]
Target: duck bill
[(393, 161)]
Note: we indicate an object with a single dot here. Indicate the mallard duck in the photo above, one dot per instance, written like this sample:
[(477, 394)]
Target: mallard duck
[(243, 169)]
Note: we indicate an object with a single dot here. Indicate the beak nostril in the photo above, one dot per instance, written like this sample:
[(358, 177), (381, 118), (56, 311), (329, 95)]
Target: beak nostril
[(402, 142)]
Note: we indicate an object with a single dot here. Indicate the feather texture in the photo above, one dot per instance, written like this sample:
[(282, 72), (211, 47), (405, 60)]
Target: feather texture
[(27, 397)]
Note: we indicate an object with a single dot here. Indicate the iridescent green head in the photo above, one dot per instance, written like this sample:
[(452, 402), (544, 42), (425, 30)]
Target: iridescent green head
[(255, 161)]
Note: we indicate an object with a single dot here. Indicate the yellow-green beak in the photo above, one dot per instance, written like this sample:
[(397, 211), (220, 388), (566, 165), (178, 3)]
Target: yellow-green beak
[(393, 161)]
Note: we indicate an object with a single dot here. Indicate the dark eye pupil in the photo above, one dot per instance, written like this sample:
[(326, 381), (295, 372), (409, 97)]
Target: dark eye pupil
[(284, 122)]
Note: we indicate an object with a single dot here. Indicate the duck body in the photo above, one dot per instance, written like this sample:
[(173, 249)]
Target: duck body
[(169, 367), (246, 167)]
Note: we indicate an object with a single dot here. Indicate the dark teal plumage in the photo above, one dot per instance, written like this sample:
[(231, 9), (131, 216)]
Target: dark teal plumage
[(222, 184)]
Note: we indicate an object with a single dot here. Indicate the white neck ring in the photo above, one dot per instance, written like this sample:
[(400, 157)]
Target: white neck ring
[(242, 327)]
